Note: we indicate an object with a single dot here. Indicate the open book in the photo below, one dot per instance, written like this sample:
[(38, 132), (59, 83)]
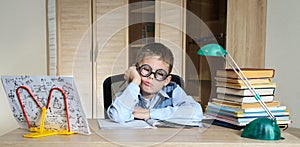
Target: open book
[(150, 123)]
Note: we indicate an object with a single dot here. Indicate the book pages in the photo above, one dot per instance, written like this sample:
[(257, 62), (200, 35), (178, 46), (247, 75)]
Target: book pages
[(56, 114)]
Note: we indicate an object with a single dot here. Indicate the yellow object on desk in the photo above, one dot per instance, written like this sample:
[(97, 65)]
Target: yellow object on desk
[(41, 132)]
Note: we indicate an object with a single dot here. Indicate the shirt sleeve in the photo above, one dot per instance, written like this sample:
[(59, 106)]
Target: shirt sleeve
[(184, 107), (123, 105)]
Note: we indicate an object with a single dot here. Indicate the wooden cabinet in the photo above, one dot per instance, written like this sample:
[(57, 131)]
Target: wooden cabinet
[(206, 23), (246, 31), (89, 39), (170, 30), (110, 40), (163, 20), (92, 39), (88, 42), (239, 26), (69, 54), (141, 26)]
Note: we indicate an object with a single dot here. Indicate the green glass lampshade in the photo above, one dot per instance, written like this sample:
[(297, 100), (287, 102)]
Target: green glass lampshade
[(260, 128), (212, 50)]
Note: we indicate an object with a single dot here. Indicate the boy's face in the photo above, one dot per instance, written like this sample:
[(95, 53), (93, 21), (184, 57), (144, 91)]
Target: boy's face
[(149, 85)]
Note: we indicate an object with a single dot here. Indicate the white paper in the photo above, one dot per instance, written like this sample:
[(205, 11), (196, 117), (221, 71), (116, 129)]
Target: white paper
[(134, 124), (40, 86), (150, 123), (177, 123)]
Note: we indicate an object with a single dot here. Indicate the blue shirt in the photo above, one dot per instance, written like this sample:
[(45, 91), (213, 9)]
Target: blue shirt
[(169, 103)]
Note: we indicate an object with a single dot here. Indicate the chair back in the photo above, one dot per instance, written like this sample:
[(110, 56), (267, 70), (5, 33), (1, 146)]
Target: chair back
[(117, 83)]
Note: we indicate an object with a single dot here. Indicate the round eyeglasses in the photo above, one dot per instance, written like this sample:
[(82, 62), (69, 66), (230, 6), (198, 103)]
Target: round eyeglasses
[(146, 70)]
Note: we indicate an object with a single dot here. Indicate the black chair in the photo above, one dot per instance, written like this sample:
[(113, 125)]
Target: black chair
[(117, 83)]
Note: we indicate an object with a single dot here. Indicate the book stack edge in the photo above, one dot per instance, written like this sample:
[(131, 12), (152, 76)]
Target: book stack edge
[(234, 103)]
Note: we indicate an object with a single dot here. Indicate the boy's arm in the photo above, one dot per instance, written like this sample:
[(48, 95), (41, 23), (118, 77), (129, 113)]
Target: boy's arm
[(184, 107), (140, 113), (123, 105)]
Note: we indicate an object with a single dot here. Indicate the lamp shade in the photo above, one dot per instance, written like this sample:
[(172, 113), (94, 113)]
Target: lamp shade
[(212, 50)]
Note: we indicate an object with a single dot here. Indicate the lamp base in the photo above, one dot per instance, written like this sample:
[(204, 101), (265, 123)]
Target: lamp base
[(263, 129)]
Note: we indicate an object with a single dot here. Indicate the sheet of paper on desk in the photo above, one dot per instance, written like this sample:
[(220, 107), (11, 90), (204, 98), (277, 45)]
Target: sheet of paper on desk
[(175, 123), (134, 124), (150, 123), (40, 87)]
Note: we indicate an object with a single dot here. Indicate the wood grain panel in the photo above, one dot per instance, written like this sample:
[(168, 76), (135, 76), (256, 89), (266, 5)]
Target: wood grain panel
[(74, 46), (246, 29), (169, 29), (110, 42)]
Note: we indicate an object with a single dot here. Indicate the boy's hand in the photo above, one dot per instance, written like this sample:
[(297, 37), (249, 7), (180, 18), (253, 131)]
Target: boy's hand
[(132, 75), (140, 113)]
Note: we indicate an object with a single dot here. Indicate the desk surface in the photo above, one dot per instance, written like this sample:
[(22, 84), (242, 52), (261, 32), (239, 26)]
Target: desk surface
[(213, 136)]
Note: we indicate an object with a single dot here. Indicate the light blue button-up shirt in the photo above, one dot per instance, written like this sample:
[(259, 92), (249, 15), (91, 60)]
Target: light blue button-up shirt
[(169, 103)]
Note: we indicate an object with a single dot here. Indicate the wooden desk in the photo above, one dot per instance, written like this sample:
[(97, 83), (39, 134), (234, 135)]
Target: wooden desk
[(214, 136)]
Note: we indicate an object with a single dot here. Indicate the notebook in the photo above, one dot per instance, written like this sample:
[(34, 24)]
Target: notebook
[(31, 93)]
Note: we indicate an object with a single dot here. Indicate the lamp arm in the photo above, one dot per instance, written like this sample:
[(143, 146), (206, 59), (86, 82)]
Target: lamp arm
[(246, 82)]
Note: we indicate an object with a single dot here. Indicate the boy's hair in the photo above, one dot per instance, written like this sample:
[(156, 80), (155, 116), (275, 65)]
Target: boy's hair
[(156, 49)]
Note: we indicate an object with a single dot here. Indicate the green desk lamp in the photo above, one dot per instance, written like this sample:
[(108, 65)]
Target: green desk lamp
[(260, 128)]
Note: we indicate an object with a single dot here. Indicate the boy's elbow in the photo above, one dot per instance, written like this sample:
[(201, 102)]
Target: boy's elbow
[(198, 113)]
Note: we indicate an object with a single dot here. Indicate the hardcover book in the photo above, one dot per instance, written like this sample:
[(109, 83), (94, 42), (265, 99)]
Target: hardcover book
[(244, 105), (244, 99), (244, 121), (248, 114), (239, 81), (246, 110), (248, 72), (243, 86), (245, 92)]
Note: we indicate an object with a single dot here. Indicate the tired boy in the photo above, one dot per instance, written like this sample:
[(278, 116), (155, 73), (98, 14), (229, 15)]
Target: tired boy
[(150, 94)]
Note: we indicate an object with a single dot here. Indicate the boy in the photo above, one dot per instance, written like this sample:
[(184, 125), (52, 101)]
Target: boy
[(150, 94)]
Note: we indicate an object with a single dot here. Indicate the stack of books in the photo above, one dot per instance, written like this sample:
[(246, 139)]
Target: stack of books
[(235, 104)]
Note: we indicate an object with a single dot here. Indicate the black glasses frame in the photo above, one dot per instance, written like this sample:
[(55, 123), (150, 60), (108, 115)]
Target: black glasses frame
[(151, 72)]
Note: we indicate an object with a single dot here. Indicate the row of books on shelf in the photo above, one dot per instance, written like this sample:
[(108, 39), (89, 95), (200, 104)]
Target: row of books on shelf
[(235, 104)]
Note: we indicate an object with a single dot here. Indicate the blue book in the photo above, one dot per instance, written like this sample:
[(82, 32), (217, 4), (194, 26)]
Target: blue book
[(247, 114), (232, 109)]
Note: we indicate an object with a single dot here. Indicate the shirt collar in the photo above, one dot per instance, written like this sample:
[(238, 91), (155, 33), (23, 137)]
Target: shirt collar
[(161, 93)]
